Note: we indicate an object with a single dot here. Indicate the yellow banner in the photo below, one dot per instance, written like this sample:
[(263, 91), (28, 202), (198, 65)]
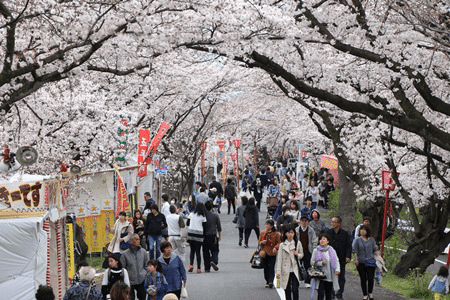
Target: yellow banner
[(70, 251), (94, 230)]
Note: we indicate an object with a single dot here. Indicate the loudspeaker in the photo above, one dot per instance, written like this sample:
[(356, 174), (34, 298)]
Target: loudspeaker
[(26, 156), (75, 169)]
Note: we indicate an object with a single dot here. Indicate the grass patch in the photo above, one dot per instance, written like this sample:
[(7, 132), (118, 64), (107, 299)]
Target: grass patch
[(95, 262)]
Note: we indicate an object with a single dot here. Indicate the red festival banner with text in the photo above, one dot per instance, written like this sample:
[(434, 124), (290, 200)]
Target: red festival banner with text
[(144, 140), (151, 150), (331, 163), (122, 194)]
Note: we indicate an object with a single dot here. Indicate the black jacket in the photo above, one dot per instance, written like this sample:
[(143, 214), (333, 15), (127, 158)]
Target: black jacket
[(155, 224), (251, 217), (230, 191), (218, 187), (340, 241)]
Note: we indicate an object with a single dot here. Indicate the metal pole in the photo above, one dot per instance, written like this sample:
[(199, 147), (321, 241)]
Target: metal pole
[(384, 223)]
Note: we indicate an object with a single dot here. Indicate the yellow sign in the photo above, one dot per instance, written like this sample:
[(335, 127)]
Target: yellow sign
[(94, 230), (70, 251)]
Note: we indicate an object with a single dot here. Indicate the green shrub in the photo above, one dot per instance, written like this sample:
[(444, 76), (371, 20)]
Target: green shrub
[(419, 285), (392, 252), (333, 203)]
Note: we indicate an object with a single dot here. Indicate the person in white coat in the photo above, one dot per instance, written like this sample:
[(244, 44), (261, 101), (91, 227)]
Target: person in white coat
[(122, 231), (288, 260)]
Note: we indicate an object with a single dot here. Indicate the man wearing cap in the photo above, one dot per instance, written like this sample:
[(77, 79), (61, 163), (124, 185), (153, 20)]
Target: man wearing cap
[(308, 238)]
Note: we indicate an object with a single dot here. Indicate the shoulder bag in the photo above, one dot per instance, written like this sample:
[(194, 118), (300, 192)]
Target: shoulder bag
[(257, 261), (369, 262), (124, 245)]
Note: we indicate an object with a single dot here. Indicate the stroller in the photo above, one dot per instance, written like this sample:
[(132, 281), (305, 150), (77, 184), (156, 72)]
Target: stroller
[(272, 204)]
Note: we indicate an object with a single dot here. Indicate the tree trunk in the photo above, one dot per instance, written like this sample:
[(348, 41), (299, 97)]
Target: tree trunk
[(347, 200), (422, 254)]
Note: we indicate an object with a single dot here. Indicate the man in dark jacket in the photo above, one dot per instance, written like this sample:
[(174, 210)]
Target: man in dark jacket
[(156, 222), (340, 241), (231, 194), (134, 260), (212, 231)]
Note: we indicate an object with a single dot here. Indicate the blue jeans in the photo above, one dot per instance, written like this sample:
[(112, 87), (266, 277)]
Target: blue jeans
[(152, 239)]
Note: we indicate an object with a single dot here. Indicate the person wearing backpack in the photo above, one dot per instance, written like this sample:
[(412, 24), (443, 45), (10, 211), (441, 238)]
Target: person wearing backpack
[(114, 273), (439, 283), (155, 283)]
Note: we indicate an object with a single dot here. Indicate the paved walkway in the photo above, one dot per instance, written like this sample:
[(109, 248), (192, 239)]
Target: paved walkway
[(237, 280)]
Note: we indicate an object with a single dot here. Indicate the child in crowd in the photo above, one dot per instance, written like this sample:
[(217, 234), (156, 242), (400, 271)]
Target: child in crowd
[(155, 283), (439, 283)]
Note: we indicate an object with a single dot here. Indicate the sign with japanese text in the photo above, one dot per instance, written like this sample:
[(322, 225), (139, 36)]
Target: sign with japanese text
[(387, 183), (144, 140), (22, 195), (70, 251), (151, 150)]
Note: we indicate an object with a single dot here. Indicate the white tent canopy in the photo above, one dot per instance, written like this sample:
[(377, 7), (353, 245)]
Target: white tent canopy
[(23, 251)]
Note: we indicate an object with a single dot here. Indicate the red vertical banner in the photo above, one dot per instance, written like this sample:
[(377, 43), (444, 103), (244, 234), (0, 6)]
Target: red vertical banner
[(144, 140), (122, 194), (151, 150), (221, 144), (203, 146)]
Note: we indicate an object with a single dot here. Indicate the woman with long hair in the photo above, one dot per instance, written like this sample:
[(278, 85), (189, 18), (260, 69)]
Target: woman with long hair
[(325, 257), (269, 240), (114, 273), (122, 231), (195, 235), (139, 227), (364, 248), (120, 291), (288, 260)]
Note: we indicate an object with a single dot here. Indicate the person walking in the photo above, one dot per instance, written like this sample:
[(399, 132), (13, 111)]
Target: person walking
[(308, 239), (120, 291), (340, 241), (325, 257), (85, 290), (212, 230), (196, 235), (155, 284), (317, 224), (239, 218), (365, 248), (174, 224), (251, 217), (173, 269), (156, 222), (122, 233), (288, 257), (114, 273), (285, 219), (439, 283), (134, 260), (219, 193), (269, 241), (231, 194)]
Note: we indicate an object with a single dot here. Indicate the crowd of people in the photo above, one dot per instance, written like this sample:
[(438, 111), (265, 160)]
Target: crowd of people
[(146, 255)]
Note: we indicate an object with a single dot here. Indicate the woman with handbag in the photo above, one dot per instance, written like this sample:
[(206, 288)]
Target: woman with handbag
[(325, 264), (365, 248), (269, 241), (288, 261), (122, 231)]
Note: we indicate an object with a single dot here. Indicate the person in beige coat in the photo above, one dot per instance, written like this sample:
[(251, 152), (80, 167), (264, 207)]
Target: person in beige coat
[(123, 230), (288, 259)]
